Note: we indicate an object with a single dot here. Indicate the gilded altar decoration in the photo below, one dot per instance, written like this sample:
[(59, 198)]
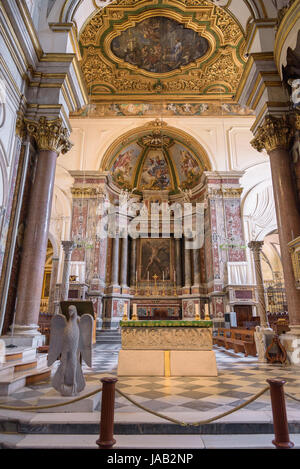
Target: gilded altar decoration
[(275, 132), (50, 135), (143, 49)]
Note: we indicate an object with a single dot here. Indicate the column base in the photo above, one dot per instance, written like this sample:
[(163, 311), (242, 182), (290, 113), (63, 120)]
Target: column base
[(291, 343), (113, 289), (25, 335)]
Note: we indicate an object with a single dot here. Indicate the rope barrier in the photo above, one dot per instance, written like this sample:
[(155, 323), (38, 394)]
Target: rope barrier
[(150, 411), (292, 397), (195, 424), (51, 406)]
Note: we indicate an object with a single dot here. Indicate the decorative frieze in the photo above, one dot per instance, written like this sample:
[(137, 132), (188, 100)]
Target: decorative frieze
[(87, 192), (226, 193), (166, 338)]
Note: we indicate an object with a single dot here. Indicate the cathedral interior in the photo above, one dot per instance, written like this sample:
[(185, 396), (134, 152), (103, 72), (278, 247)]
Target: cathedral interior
[(150, 177)]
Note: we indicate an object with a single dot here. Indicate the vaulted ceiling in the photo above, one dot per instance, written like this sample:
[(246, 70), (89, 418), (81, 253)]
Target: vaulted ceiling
[(163, 49)]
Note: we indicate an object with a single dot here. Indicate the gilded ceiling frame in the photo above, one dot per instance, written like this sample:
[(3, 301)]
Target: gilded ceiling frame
[(110, 78)]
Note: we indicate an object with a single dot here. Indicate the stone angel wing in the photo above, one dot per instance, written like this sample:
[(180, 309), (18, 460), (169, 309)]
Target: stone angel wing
[(86, 337), (58, 324)]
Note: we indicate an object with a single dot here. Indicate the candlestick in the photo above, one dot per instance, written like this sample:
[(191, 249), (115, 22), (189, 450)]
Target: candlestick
[(134, 313), (155, 277), (207, 316), (136, 284), (125, 316), (164, 291)]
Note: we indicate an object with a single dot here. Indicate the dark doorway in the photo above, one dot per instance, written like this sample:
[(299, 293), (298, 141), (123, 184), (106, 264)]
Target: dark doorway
[(243, 314)]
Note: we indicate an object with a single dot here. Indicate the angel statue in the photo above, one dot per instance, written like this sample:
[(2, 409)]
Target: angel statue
[(70, 342)]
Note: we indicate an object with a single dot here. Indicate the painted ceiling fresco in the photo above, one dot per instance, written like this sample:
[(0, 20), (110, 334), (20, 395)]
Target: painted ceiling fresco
[(167, 167), (173, 49), (159, 45)]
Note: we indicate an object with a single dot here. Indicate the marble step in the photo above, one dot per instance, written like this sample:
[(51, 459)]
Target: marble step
[(15, 375), (19, 353), (22, 379), (187, 442)]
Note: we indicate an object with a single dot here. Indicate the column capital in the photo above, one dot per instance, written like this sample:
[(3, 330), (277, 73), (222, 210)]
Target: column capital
[(50, 135), (256, 246), (275, 132), (68, 246)]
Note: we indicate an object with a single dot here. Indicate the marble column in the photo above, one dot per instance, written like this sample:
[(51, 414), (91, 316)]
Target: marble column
[(68, 247), (197, 274), (51, 139), (256, 248), (115, 263), (187, 268), (53, 281), (124, 264), (178, 262), (274, 136), (133, 262)]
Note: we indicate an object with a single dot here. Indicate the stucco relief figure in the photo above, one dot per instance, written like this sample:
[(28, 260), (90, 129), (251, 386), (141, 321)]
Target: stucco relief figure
[(70, 342)]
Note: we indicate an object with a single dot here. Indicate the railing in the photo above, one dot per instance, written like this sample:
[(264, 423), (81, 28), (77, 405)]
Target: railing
[(106, 438)]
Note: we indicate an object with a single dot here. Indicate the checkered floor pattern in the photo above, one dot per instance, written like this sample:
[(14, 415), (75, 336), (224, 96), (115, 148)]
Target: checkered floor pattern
[(239, 378)]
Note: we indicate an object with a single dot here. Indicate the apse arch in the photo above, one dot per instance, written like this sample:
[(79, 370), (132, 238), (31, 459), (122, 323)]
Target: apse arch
[(179, 159)]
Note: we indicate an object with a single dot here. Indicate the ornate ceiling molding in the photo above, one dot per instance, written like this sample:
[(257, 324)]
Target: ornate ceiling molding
[(215, 74)]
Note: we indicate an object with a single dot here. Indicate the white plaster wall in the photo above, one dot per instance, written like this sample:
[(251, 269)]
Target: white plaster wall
[(225, 140)]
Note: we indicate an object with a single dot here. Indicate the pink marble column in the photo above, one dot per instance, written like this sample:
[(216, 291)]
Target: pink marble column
[(275, 136), (51, 139), (53, 281), (288, 219), (68, 247), (256, 248)]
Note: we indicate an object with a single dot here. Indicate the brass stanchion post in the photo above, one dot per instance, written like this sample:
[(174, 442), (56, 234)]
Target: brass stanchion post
[(106, 438), (280, 422)]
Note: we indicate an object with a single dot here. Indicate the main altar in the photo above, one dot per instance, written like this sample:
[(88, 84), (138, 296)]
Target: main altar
[(167, 348)]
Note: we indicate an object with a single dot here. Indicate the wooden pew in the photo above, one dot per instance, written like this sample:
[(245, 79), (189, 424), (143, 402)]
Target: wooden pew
[(239, 340), (221, 337)]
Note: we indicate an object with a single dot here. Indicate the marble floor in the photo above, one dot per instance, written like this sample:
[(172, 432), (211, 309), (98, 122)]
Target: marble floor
[(188, 399)]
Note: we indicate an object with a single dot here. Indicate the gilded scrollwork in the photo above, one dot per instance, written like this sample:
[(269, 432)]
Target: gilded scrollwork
[(50, 135), (275, 132), (217, 72)]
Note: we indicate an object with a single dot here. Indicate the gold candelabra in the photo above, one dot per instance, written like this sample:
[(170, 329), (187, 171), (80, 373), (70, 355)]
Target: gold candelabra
[(125, 316)]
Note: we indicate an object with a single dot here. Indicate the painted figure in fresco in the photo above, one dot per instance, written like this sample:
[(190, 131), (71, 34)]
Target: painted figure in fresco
[(190, 169), (156, 175), (122, 168), (159, 45)]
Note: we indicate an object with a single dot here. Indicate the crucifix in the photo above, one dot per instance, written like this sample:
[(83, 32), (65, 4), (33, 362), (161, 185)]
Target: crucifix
[(155, 277)]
